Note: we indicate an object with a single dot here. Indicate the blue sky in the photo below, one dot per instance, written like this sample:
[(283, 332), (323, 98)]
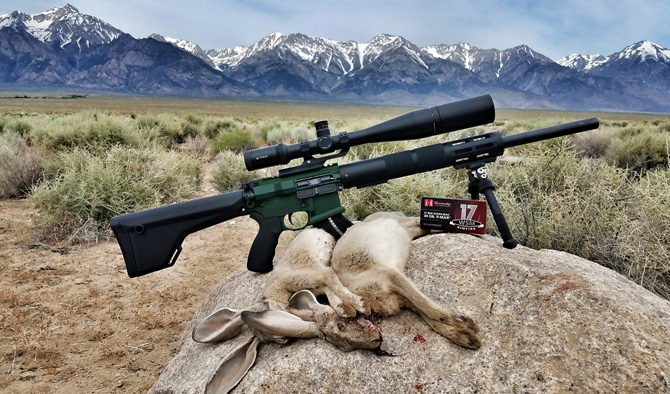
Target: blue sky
[(554, 28)]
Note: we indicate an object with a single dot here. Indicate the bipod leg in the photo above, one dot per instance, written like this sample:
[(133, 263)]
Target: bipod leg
[(479, 182)]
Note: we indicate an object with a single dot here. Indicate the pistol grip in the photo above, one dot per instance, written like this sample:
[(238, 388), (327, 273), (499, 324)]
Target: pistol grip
[(263, 248)]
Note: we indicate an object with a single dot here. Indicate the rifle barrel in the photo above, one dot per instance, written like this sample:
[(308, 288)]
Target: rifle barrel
[(550, 132), (459, 153)]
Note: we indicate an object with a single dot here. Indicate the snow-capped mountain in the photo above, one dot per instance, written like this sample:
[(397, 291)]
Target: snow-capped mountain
[(187, 46), (643, 69), (579, 62), (333, 56), (344, 58), (62, 48), (643, 51), (476, 60), (65, 26)]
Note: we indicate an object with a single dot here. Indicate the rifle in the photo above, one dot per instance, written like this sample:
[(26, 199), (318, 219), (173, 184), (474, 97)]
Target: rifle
[(151, 240)]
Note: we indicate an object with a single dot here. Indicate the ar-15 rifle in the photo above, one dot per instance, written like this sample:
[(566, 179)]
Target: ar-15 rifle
[(151, 240)]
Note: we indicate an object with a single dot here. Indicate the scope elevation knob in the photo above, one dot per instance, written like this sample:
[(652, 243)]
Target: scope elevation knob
[(323, 140), (322, 129)]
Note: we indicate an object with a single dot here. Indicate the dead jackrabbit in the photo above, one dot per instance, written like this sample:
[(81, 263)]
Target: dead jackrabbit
[(362, 273), (370, 261)]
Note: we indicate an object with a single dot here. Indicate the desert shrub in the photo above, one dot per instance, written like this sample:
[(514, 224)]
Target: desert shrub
[(20, 166), (403, 194), (559, 202), (640, 152), (268, 127), (230, 172), (594, 143), (191, 126), (18, 126), (91, 131), (301, 133), (631, 131), (193, 119), (197, 146), (593, 210), (236, 140), (647, 255), (148, 122), (367, 151), (214, 127), (274, 136), (83, 190), (187, 130), (167, 128)]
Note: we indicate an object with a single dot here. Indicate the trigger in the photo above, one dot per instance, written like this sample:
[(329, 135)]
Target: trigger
[(290, 218)]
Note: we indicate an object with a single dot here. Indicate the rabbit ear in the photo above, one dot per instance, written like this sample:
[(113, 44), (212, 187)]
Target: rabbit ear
[(278, 326), (304, 299), (221, 325), (305, 305), (233, 368)]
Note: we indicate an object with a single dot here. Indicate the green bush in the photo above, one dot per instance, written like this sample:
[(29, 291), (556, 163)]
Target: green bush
[(558, 202), (647, 239), (165, 128), (17, 126), (640, 152), (301, 133), (84, 190), (230, 172), (20, 166), (268, 127), (594, 143), (236, 140), (214, 127), (91, 131), (593, 210), (274, 136)]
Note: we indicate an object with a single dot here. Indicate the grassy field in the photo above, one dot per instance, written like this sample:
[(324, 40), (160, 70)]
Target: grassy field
[(127, 105), (70, 154), (69, 164)]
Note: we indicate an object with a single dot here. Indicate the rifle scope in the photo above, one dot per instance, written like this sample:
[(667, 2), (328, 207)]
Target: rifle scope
[(417, 124)]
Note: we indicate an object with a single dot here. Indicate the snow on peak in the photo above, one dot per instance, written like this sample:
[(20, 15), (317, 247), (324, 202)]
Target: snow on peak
[(272, 40), (644, 50), (462, 53), (64, 25), (185, 45), (582, 62)]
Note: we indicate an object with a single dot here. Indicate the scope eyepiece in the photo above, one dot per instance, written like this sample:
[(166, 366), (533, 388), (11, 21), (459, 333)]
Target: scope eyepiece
[(266, 157)]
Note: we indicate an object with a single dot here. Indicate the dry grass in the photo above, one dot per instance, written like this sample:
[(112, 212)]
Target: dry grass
[(20, 166)]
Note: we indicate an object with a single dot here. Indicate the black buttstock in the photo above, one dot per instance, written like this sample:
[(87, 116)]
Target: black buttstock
[(151, 240)]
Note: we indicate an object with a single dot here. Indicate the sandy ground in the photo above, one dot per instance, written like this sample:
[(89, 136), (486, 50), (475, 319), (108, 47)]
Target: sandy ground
[(75, 322)]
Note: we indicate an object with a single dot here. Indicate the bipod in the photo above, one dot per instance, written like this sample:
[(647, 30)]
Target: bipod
[(479, 183)]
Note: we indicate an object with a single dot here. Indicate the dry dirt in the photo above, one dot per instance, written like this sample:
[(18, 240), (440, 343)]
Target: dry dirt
[(75, 322)]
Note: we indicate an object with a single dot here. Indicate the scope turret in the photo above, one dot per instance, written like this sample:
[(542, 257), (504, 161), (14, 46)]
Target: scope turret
[(417, 124)]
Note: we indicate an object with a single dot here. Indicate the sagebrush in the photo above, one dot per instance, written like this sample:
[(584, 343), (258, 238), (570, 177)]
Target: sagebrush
[(601, 194), (83, 190)]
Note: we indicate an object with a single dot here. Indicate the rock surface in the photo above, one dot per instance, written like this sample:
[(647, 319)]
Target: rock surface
[(549, 322)]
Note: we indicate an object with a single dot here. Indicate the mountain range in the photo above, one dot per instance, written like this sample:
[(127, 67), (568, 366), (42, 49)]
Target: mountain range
[(65, 49)]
